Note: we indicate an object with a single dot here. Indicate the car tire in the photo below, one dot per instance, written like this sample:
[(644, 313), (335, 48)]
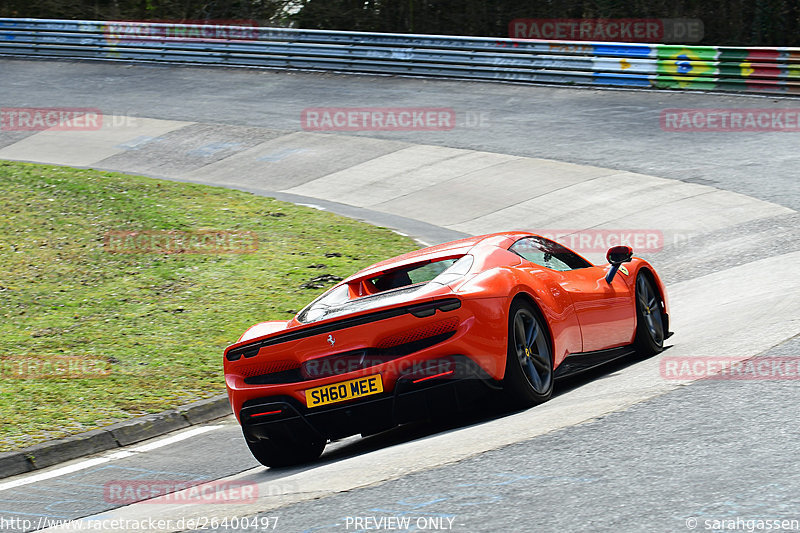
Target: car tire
[(276, 453), (650, 319), (528, 379)]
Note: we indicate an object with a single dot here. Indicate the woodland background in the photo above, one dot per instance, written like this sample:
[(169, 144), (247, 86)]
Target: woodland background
[(727, 22)]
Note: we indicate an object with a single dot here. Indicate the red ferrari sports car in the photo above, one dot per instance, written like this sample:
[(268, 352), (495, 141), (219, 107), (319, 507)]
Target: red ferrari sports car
[(508, 311)]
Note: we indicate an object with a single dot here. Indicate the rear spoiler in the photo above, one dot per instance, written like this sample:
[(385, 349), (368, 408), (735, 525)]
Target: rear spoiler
[(250, 348)]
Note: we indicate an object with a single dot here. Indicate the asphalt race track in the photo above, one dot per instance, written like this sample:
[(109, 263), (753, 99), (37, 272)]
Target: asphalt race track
[(623, 448)]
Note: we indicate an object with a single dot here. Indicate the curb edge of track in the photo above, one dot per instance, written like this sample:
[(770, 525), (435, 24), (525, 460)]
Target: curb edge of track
[(116, 435)]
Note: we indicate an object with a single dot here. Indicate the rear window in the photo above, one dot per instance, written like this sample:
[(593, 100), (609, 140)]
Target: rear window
[(387, 289), (410, 276)]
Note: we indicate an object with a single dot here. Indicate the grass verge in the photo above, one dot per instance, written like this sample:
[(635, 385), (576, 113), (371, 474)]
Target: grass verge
[(157, 321)]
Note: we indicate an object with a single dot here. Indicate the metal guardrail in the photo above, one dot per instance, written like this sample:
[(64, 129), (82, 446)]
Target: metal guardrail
[(759, 70)]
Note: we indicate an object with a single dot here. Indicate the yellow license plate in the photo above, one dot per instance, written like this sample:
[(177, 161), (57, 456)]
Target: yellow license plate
[(346, 390)]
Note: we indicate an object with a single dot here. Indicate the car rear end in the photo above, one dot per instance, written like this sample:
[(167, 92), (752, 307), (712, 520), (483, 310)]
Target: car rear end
[(359, 363)]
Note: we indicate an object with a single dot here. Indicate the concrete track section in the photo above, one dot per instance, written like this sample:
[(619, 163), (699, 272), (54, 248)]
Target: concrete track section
[(451, 191), (618, 129)]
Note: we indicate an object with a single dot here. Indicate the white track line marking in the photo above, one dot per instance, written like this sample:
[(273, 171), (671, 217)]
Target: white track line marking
[(54, 473), (121, 454)]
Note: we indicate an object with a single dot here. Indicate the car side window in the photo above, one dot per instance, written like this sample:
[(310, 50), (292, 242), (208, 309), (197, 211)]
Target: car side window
[(549, 254)]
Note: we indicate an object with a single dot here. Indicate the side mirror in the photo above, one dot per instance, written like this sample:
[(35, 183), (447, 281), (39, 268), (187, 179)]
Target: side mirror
[(617, 255)]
